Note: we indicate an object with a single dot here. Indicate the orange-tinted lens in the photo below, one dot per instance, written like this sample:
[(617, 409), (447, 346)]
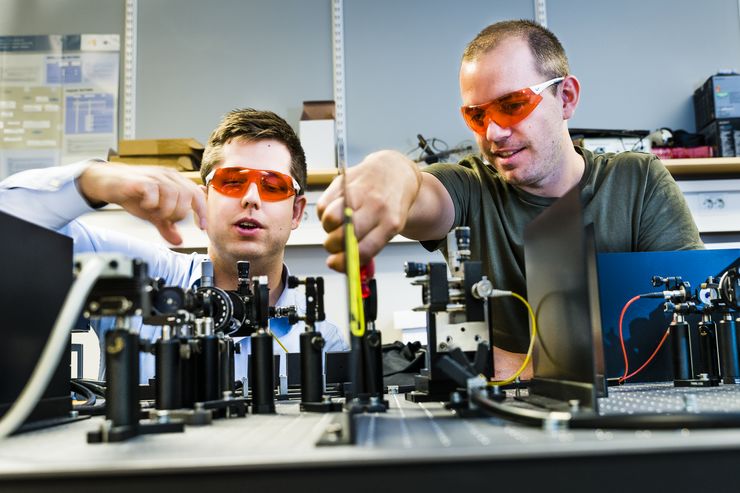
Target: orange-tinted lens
[(230, 181), (271, 185), (274, 186), (505, 111)]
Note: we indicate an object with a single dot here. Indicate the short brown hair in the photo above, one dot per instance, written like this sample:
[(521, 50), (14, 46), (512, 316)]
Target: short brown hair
[(247, 125), (544, 45)]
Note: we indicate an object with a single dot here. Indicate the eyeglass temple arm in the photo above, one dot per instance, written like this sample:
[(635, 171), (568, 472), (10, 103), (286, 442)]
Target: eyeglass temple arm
[(541, 87)]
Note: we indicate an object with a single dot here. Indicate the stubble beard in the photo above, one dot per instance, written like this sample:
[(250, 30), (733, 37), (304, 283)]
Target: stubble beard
[(514, 177), (537, 172)]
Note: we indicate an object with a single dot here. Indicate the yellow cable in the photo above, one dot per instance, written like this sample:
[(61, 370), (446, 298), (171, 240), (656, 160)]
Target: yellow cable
[(533, 337), (278, 341), (352, 258)]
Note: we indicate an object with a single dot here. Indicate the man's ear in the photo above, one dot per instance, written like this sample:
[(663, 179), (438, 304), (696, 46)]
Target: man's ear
[(570, 94), (299, 205)]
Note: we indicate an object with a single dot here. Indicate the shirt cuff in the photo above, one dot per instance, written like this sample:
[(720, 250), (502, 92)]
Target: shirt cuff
[(47, 196)]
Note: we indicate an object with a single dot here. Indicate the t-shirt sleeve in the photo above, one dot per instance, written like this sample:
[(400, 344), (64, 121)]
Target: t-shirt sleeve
[(666, 222), (462, 183)]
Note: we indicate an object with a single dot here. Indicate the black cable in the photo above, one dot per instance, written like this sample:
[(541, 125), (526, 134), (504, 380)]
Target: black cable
[(428, 154), (78, 388), (655, 294), (525, 416), (96, 386), (90, 380), (637, 144), (98, 389), (433, 150), (97, 409), (94, 406), (433, 143)]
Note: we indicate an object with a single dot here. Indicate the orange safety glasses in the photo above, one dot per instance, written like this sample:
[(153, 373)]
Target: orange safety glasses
[(234, 181), (507, 110)]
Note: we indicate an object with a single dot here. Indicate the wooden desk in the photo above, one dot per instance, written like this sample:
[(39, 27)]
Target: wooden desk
[(715, 168)]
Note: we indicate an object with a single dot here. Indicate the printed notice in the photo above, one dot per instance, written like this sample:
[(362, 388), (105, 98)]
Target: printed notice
[(58, 99)]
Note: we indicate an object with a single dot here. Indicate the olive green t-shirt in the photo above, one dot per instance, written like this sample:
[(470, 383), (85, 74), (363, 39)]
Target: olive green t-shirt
[(632, 200)]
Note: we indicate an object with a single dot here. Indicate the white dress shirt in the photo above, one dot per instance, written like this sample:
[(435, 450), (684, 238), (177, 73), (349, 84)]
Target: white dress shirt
[(49, 197)]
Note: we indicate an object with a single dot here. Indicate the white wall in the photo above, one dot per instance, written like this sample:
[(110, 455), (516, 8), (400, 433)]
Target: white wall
[(639, 63), (395, 293)]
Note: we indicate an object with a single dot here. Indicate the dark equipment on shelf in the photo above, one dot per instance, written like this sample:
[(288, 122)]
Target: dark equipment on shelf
[(430, 154), (37, 261)]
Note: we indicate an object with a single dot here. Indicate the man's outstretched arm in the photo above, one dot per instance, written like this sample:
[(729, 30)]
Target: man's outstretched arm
[(161, 196), (389, 196), (53, 197)]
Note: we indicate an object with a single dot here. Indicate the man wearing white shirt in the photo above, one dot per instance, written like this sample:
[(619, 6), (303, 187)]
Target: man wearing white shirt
[(254, 175)]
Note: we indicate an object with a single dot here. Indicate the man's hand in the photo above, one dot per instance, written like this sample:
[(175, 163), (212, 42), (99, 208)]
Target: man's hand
[(381, 191), (161, 196)]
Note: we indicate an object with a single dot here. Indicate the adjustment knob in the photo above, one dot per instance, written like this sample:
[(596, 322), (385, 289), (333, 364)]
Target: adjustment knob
[(462, 236), (415, 269), (242, 270)]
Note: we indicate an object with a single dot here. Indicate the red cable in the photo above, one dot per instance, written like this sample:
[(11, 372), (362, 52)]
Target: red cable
[(660, 344), (621, 337)]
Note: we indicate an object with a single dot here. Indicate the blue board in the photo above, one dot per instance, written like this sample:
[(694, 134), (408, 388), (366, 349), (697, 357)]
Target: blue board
[(625, 275)]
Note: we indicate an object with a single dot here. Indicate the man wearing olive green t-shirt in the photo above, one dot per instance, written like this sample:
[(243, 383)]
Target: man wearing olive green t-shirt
[(517, 94)]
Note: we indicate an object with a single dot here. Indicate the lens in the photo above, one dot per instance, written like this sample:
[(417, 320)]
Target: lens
[(271, 185), (505, 111), (514, 107), (274, 186), (475, 117), (230, 181), (516, 104)]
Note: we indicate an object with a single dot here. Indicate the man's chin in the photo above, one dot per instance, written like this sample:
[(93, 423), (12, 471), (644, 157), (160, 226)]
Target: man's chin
[(513, 173), (255, 251), (498, 164), (241, 251), (510, 174), (516, 178), (251, 253)]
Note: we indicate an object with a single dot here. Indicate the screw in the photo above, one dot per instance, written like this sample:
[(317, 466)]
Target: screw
[(574, 405)]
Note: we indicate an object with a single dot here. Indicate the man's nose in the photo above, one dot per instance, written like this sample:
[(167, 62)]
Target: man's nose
[(251, 197), (495, 132)]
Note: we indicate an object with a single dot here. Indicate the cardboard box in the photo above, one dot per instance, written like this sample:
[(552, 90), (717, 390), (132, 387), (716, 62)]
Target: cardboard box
[(159, 147), (718, 98), (180, 163), (317, 132)]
